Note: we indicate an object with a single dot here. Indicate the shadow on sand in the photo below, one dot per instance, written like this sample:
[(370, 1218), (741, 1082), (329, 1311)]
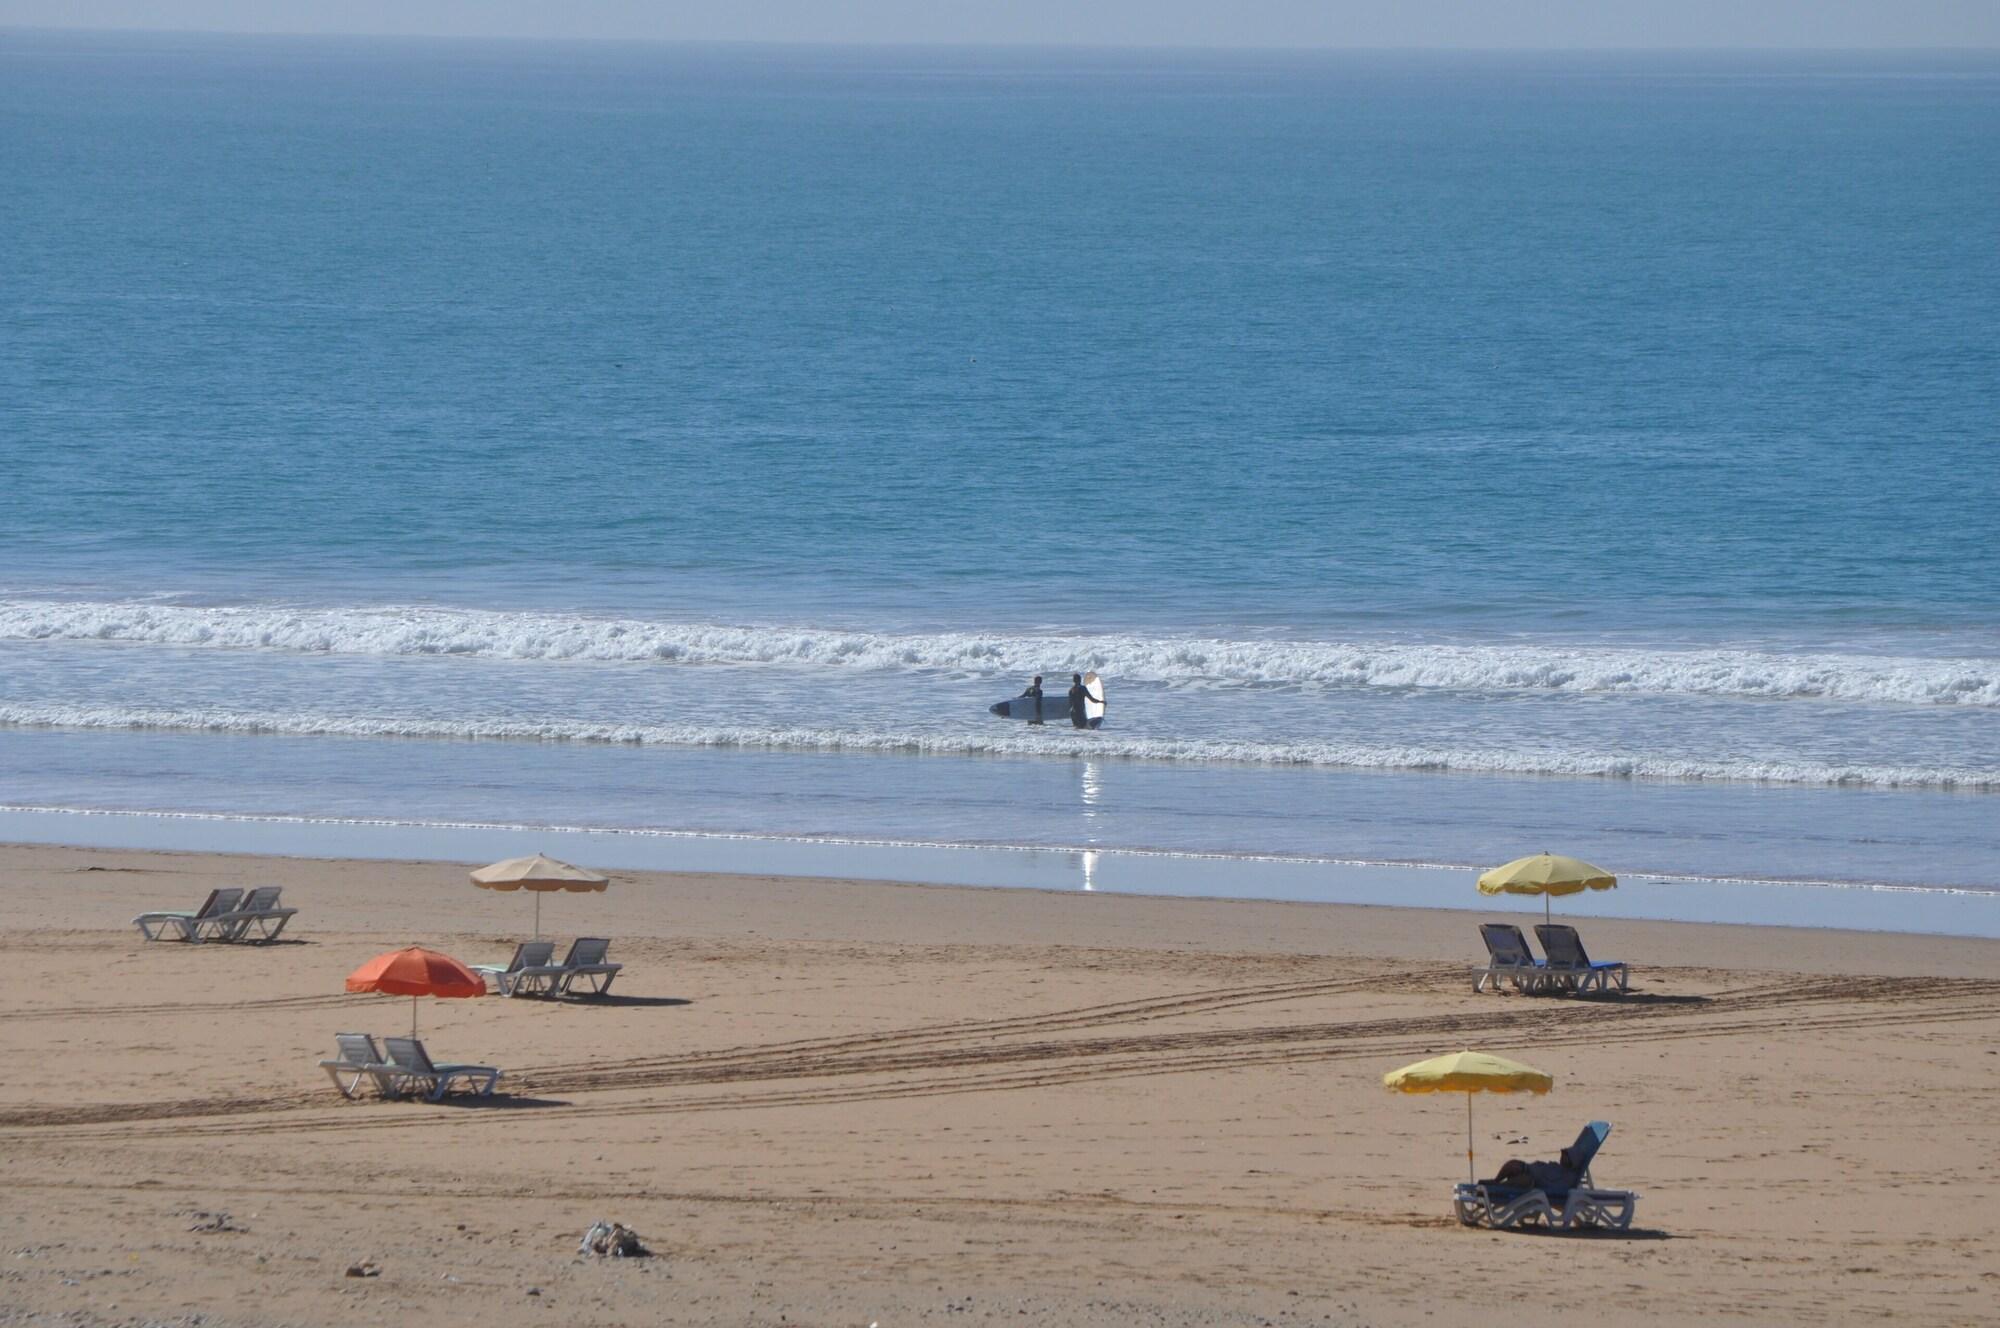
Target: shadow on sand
[(630, 1002), (1656, 1000), (502, 1102), (1593, 1233)]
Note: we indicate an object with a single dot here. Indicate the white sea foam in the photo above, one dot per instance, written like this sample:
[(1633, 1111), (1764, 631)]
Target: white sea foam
[(418, 631), (1012, 742)]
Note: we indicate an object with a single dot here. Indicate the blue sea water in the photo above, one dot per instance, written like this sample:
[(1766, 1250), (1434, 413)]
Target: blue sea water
[(1440, 457)]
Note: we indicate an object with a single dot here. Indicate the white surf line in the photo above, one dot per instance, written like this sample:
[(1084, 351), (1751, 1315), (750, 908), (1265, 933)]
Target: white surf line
[(1059, 744), (407, 630), (842, 841)]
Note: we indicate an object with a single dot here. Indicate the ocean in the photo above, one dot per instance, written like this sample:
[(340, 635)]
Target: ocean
[(1440, 457)]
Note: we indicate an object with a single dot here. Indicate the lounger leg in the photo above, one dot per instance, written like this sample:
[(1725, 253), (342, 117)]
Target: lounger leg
[(384, 1086), (268, 929)]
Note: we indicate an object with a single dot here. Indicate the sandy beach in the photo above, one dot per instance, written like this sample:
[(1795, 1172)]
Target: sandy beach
[(826, 1102)]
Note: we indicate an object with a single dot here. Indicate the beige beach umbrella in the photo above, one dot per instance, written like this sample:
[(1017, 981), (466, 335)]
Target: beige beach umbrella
[(1468, 1072), (539, 875), (1545, 874)]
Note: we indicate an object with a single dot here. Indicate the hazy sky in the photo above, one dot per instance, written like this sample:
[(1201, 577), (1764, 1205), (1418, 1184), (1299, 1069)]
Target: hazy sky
[(1477, 23)]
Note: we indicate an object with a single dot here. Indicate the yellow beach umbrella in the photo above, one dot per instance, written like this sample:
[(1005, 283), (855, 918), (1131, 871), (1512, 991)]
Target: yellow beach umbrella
[(1545, 874), (1468, 1072), (540, 875)]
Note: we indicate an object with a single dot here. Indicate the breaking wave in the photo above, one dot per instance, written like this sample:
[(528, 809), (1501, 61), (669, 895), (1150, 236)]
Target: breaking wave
[(1015, 742), (424, 631)]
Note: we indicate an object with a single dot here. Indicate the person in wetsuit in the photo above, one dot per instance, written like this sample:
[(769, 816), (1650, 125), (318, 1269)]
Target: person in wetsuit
[(1035, 690), (1078, 694)]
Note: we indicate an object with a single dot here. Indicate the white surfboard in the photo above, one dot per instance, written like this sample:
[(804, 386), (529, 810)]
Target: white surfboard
[(1093, 711), (1055, 704)]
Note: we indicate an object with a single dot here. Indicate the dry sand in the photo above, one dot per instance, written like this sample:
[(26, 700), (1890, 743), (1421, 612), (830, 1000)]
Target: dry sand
[(849, 1103)]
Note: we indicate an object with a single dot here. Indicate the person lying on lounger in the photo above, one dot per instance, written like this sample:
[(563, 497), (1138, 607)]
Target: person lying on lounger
[(1518, 1175)]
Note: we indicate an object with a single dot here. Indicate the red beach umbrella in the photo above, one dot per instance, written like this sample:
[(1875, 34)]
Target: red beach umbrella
[(416, 972)]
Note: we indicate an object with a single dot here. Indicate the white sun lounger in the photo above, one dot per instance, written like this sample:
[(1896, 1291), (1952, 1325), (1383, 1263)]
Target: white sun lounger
[(258, 919), (416, 1072), (527, 955), (585, 960), (359, 1062), (1508, 958), (190, 925)]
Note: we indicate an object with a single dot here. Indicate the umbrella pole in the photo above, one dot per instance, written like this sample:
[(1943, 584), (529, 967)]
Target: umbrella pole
[(1471, 1171), (413, 1037), (1545, 907), (538, 913)]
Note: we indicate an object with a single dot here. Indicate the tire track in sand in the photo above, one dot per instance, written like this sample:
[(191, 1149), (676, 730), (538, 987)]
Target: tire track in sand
[(1017, 1053)]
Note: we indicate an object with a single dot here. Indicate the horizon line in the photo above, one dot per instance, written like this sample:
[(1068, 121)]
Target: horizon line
[(773, 43)]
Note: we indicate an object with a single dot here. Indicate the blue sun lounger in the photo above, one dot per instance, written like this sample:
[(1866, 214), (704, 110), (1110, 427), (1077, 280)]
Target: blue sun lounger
[(1571, 969), (1561, 1195)]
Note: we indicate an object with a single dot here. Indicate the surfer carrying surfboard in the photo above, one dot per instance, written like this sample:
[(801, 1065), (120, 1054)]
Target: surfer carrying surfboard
[(1078, 695), (1084, 705), (1035, 690)]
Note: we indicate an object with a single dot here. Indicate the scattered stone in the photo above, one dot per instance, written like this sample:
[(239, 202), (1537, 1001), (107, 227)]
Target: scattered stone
[(205, 1221), (612, 1240), (366, 1268), (534, 1291)]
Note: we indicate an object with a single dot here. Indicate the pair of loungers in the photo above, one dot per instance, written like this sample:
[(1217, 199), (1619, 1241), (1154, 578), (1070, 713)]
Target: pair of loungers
[(1559, 1195), (529, 972), (407, 1071), (226, 915), (1567, 970)]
